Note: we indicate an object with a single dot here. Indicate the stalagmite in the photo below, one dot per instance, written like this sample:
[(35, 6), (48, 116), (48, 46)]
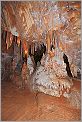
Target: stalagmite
[(40, 60)]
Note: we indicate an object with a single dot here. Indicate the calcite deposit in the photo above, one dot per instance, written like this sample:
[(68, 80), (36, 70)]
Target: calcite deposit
[(41, 54), (51, 78), (58, 24)]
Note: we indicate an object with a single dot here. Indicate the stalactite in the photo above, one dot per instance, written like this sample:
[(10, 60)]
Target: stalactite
[(18, 41), (34, 48), (7, 40), (11, 39), (20, 47), (5, 35), (31, 48), (48, 43)]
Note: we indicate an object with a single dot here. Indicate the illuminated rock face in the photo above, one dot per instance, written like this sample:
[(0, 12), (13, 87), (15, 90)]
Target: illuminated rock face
[(33, 22), (50, 78)]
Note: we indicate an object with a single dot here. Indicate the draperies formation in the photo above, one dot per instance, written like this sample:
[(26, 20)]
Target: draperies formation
[(25, 45), (9, 39), (23, 14), (66, 18)]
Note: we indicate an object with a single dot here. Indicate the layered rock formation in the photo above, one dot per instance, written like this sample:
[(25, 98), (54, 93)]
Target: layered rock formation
[(57, 24)]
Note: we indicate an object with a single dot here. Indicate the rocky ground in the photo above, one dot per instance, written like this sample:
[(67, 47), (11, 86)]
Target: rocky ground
[(22, 104)]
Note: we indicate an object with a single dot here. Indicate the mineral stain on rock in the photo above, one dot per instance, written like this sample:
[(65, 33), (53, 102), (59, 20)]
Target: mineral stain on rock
[(40, 60)]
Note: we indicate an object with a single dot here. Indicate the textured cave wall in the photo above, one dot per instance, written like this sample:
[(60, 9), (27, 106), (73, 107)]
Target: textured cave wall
[(70, 33), (67, 30), (16, 15), (33, 22)]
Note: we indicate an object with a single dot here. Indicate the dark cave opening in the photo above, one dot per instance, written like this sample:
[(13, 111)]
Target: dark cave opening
[(67, 65)]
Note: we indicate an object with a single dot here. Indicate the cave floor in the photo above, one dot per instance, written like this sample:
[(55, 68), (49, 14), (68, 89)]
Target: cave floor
[(22, 104)]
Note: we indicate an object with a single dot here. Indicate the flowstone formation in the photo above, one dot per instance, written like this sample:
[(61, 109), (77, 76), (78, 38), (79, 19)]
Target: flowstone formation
[(51, 77)]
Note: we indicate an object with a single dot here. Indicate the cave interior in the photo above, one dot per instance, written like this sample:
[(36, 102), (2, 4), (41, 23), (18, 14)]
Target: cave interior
[(40, 60)]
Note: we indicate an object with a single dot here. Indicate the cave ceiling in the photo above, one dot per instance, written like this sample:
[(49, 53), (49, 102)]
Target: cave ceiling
[(31, 20)]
